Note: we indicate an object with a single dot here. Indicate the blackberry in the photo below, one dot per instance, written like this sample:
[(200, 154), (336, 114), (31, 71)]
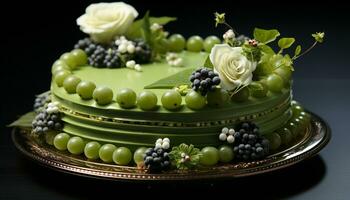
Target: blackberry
[(142, 52), (44, 122), (157, 159), (249, 144), (112, 59), (204, 80), (40, 101), (96, 59), (83, 44)]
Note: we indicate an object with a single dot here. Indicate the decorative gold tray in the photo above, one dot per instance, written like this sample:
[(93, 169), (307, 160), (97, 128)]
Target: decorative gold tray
[(317, 135)]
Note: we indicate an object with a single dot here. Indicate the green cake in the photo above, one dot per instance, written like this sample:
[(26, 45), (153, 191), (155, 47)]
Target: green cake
[(133, 94)]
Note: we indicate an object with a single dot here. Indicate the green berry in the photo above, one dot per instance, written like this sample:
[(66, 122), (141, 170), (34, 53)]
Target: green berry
[(258, 89), (91, 150), (85, 89), (50, 136), (126, 98), (59, 65), (122, 156), (194, 43), (275, 140), (147, 100), (217, 98), (285, 73), (177, 42), (171, 100), (70, 60), (60, 76), (209, 42), (70, 84), (297, 109), (106, 152), (226, 154), (195, 100), (139, 154), (210, 156), (80, 57), (60, 141), (102, 95), (274, 82), (286, 136), (76, 145), (242, 95)]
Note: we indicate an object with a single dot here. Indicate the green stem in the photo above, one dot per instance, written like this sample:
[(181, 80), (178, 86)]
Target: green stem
[(307, 51), (230, 27)]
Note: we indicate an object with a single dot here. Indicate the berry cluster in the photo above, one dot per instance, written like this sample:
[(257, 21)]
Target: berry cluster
[(249, 144), (204, 80), (116, 54), (40, 101), (227, 135), (47, 119), (157, 159)]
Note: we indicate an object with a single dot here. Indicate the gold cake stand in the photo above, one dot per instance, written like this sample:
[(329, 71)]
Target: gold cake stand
[(316, 136)]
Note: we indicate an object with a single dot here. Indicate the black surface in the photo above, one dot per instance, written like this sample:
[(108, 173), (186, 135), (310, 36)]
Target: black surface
[(40, 32)]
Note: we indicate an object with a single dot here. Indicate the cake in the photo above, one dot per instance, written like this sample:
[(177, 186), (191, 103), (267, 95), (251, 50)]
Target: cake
[(133, 94)]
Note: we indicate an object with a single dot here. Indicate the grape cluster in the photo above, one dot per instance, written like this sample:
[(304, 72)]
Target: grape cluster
[(249, 144), (40, 101), (112, 55), (157, 159), (44, 122), (204, 80)]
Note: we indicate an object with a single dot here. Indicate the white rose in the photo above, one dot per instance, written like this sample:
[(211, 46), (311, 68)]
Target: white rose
[(103, 21), (234, 69)]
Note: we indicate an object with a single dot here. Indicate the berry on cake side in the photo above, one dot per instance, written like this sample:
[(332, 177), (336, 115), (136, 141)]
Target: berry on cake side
[(134, 95)]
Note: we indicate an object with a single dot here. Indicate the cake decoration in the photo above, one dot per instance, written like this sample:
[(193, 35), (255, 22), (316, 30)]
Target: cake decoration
[(130, 87)]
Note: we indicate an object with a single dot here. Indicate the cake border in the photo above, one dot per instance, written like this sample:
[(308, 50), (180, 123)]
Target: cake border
[(317, 136)]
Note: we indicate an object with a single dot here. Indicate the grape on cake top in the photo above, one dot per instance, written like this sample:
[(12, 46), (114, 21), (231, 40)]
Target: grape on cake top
[(231, 97)]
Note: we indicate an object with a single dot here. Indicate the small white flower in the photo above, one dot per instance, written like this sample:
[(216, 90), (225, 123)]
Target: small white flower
[(183, 154), (231, 131), (130, 48), (155, 27), (130, 64), (160, 140), (224, 130), (222, 137), (163, 143), (166, 140), (230, 139), (122, 48), (174, 60), (158, 146), (138, 67), (229, 35)]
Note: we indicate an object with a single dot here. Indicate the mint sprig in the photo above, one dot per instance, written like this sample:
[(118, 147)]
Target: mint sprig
[(185, 156)]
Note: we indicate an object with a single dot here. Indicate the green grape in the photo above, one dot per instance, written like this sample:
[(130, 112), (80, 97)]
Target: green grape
[(286, 136), (226, 154), (297, 109), (60, 141), (91, 150), (70, 84), (106, 152), (60, 76), (293, 129), (210, 156), (274, 82), (195, 100), (103, 95), (59, 65), (70, 60), (58, 68), (275, 140), (194, 43), (76, 145), (176, 42), (147, 100), (85, 89), (171, 100), (241, 96), (122, 156), (258, 89), (217, 98), (209, 42), (126, 98), (285, 73), (139, 155), (80, 57), (49, 137)]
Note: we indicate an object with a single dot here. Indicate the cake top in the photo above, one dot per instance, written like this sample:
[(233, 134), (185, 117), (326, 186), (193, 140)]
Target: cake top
[(144, 63)]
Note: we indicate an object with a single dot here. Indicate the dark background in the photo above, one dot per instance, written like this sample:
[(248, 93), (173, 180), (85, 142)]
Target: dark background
[(34, 34)]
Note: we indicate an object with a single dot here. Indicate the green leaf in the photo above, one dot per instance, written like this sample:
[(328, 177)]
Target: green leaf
[(267, 49), (265, 36), (208, 63), (146, 29), (285, 43), (135, 29), (24, 121), (180, 78), (297, 51)]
